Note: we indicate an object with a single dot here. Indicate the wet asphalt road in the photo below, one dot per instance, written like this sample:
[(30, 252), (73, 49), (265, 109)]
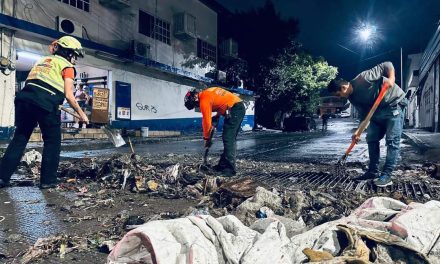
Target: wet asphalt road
[(316, 146), (29, 209)]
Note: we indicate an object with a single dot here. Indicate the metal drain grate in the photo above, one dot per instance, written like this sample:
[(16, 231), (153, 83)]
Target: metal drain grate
[(322, 180)]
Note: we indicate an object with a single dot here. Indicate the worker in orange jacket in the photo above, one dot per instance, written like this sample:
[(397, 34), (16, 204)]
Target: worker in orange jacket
[(224, 103)]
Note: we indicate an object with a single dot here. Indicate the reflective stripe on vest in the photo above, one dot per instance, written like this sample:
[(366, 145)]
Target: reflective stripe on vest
[(48, 70)]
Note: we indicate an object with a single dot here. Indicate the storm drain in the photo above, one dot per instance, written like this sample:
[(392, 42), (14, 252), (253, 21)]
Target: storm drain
[(418, 191)]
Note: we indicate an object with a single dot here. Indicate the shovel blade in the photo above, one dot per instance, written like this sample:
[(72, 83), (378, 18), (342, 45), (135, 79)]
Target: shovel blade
[(114, 136)]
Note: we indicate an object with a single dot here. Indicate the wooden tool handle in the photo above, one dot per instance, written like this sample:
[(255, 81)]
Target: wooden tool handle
[(70, 112), (364, 124)]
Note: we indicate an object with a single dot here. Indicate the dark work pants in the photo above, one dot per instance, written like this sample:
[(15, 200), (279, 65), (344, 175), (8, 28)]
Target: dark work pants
[(27, 116), (231, 127)]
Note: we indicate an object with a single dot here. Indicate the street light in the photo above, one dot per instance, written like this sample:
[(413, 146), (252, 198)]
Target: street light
[(368, 35), (366, 32)]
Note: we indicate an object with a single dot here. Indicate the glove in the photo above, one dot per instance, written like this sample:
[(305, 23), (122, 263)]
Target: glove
[(355, 138), (208, 143)]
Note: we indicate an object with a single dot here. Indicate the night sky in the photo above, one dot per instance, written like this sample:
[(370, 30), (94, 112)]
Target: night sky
[(327, 28)]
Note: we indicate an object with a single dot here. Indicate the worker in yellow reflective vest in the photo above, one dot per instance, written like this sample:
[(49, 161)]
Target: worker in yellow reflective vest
[(49, 82)]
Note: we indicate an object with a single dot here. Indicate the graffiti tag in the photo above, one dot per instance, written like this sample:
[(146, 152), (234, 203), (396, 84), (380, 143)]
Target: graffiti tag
[(149, 108)]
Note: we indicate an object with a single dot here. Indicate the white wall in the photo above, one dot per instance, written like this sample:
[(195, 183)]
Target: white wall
[(115, 28), (436, 95), (426, 110), (7, 85), (152, 98)]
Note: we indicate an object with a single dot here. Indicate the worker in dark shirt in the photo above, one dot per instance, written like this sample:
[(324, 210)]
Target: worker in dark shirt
[(387, 120), (325, 118)]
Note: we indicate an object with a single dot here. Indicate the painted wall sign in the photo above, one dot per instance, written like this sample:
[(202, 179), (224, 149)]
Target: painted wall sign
[(100, 105), (123, 112)]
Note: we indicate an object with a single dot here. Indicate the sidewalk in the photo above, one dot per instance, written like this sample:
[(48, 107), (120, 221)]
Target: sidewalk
[(427, 143)]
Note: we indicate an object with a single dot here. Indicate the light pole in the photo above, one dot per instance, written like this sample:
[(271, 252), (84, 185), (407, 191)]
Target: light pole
[(401, 69)]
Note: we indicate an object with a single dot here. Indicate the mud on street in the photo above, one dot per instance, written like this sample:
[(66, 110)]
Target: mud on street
[(100, 198)]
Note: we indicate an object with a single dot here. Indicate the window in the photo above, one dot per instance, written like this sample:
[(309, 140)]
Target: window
[(206, 51), (80, 4), (147, 27), (163, 32), (146, 23)]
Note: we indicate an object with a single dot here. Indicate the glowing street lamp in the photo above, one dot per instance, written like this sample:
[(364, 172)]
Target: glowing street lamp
[(368, 34), (365, 34)]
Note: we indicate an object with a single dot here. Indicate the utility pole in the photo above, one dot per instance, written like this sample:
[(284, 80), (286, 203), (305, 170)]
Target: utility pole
[(401, 69)]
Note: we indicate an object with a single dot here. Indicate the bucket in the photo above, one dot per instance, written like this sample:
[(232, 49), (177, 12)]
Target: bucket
[(144, 131)]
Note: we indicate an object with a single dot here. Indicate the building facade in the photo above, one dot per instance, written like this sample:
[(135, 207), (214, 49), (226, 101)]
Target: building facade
[(333, 105), (429, 87), (147, 53), (411, 87)]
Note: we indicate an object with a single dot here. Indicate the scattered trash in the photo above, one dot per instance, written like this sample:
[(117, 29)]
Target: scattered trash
[(31, 157), (97, 189), (264, 212), (261, 198), (106, 246), (171, 174), (260, 214), (202, 211), (152, 185), (47, 246), (235, 192)]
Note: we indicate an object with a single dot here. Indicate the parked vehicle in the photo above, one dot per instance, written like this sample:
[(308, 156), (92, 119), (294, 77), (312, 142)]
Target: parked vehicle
[(345, 114), (299, 122)]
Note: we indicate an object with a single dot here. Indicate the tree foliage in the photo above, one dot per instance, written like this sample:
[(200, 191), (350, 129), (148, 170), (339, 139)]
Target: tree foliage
[(295, 80)]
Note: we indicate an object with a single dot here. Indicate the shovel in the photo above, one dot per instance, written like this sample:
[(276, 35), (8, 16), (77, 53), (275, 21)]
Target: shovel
[(112, 135), (364, 124)]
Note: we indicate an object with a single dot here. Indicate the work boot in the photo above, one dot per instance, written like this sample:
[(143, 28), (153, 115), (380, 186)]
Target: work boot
[(3, 183), (227, 173), (369, 175), (48, 185), (383, 181), (218, 167)]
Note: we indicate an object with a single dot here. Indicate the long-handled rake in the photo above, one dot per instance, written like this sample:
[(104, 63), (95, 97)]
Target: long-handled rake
[(340, 165)]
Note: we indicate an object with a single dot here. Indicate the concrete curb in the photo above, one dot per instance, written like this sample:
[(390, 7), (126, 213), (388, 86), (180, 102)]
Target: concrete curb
[(414, 141)]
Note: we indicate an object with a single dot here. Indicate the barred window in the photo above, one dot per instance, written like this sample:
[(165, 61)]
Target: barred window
[(206, 51), (154, 28), (163, 32), (80, 4)]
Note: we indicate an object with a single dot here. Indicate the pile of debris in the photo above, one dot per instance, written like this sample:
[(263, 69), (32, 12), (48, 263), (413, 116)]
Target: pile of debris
[(135, 174), (93, 183)]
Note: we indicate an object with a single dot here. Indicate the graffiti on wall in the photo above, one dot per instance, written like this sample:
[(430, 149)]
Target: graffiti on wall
[(146, 107)]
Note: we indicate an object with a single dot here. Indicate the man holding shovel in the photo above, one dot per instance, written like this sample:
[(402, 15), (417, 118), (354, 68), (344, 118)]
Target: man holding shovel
[(48, 83), (386, 121), (225, 103)]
